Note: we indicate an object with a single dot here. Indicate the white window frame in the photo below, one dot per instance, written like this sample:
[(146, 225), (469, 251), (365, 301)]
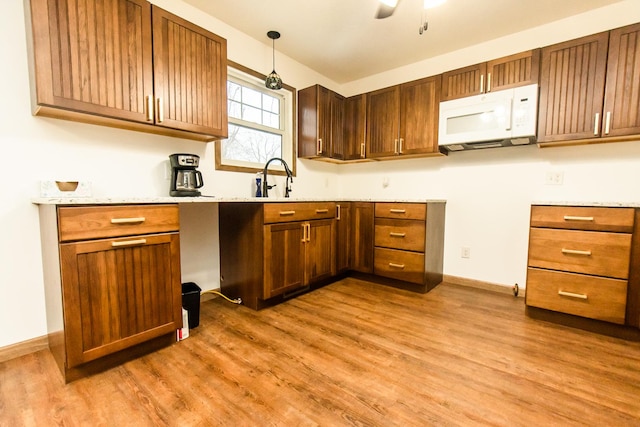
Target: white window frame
[(246, 77)]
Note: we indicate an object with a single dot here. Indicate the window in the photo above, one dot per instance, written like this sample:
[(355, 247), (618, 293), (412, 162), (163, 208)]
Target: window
[(260, 124)]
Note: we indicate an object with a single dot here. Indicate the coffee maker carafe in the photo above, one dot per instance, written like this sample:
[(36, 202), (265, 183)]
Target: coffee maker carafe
[(185, 179)]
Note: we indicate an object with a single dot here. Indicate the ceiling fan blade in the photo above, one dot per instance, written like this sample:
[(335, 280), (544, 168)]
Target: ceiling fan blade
[(385, 11)]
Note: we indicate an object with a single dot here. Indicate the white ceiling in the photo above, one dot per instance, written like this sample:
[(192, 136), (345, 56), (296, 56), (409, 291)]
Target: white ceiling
[(342, 40)]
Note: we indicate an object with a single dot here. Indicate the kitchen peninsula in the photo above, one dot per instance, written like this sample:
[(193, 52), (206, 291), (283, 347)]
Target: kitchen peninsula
[(112, 267)]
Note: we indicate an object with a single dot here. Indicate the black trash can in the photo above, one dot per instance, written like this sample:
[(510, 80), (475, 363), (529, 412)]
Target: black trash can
[(191, 302)]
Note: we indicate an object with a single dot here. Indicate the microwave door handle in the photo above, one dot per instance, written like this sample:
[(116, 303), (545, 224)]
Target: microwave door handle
[(509, 114)]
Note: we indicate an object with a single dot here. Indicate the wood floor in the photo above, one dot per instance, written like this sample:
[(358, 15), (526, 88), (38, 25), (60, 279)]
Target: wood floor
[(351, 353)]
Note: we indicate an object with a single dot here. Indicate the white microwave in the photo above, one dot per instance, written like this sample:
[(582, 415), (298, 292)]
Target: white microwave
[(495, 119)]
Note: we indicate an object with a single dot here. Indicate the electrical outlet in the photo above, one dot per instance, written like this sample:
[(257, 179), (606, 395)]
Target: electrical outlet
[(465, 252), (554, 178)]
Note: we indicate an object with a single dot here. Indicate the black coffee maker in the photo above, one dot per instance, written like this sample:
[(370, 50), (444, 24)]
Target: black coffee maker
[(185, 179)]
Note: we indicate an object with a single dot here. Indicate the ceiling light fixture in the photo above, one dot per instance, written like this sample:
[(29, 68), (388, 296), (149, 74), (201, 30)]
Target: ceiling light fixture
[(273, 80), (428, 4)]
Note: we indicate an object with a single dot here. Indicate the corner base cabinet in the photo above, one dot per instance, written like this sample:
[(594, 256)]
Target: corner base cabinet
[(112, 281), (583, 261)]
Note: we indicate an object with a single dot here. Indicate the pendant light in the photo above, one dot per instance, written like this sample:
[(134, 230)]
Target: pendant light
[(273, 80)]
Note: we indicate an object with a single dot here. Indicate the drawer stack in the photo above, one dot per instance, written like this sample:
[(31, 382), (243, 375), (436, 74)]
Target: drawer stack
[(579, 260), (400, 237)]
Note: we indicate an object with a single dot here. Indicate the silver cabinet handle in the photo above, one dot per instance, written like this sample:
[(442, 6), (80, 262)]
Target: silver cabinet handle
[(128, 220), (287, 213), (607, 123), (398, 211), (149, 108), (160, 110), (577, 218), (575, 252), (128, 243), (394, 265), (596, 127), (572, 295), (393, 234), (488, 82)]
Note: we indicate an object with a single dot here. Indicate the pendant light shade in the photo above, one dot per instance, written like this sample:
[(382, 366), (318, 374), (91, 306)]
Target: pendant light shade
[(273, 80)]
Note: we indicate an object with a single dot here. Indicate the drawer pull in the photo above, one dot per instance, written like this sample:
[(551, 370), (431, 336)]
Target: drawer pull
[(578, 218), (287, 213), (127, 220), (398, 211), (392, 234), (321, 211), (129, 243), (575, 252), (394, 265), (572, 295)]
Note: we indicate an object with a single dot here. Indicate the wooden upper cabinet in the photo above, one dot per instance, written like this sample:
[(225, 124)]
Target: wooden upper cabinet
[(403, 119), (510, 71), (317, 108), (92, 57), (127, 64), (190, 76), (622, 95), (337, 148), (355, 123), (419, 112), (572, 81), (383, 122)]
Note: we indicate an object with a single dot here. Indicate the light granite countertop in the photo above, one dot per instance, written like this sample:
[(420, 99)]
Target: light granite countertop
[(207, 199), (608, 204)]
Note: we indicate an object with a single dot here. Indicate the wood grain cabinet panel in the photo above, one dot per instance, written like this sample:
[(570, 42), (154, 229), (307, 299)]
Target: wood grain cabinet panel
[(284, 258), (383, 122), (320, 123), (343, 237), (355, 127), (510, 71), (362, 235), (127, 64), (583, 218)]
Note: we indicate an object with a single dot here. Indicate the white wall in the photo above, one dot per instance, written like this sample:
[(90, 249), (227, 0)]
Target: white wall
[(488, 193)]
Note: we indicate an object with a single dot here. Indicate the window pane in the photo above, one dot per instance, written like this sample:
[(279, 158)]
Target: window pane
[(234, 91), (235, 109), (251, 97), (251, 114), (269, 103), (271, 120), (251, 145)]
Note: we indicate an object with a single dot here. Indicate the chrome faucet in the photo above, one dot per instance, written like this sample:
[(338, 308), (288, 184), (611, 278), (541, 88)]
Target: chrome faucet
[(266, 187)]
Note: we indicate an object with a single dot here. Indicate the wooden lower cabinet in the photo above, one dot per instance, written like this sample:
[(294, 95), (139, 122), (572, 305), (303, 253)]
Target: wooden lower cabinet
[(362, 214), (112, 293), (343, 237), (583, 261)]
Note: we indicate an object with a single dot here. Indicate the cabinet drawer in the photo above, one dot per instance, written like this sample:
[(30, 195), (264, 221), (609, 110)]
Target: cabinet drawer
[(583, 218), (589, 252), (287, 212), (401, 210), (400, 234), (402, 265), (93, 222), (594, 297)]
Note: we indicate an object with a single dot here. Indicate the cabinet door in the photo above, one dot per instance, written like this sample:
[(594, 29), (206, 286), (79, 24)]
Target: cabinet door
[(337, 126), (93, 57), (324, 122), (362, 226), (463, 82), (320, 252), (622, 97), (572, 78), (520, 69), (343, 239), (314, 122), (355, 115), (283, 258), (383, 122), (118, 293), (190, 76), (419, 112)]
